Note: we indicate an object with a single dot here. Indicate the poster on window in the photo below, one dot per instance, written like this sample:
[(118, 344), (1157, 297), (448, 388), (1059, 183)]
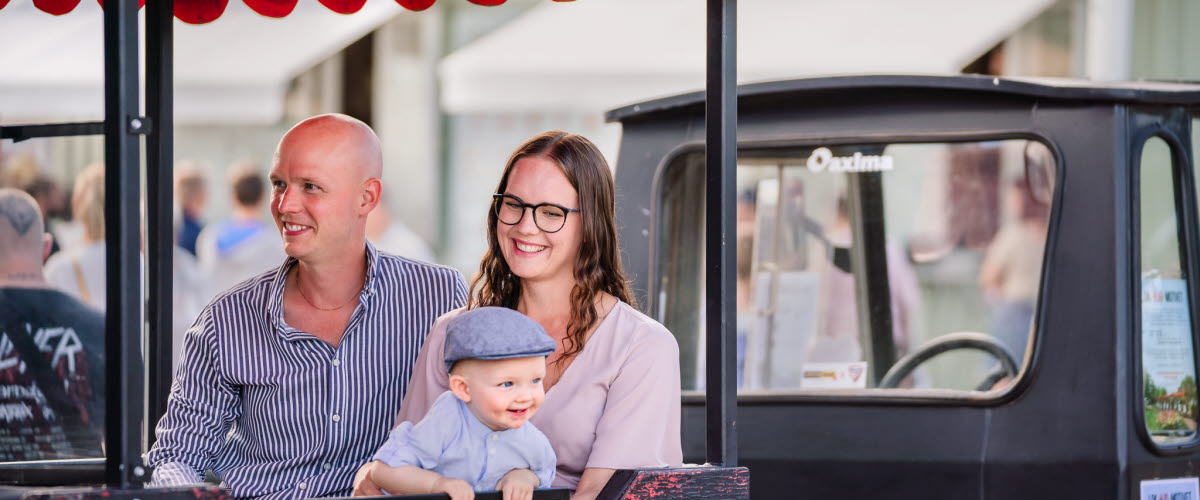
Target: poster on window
[(1168, 363)]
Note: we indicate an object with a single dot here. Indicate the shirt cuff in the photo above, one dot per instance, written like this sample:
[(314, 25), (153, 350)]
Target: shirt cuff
[(175, 474)]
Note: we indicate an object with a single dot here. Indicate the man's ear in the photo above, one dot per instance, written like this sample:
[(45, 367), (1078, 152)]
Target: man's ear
[(372, 189), (458, 384), (47, 245)]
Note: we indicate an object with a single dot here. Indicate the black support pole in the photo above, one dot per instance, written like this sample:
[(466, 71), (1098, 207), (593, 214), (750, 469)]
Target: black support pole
[(160, 236), (719, 263), (122, 349)]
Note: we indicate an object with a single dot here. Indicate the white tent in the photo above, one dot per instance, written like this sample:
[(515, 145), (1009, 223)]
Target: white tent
[(630, 50), (233, 70)]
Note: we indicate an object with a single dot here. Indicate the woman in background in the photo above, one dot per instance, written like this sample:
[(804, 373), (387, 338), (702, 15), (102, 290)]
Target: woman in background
[(78, 270)]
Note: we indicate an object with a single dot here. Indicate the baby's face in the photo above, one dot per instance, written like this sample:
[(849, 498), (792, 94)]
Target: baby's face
[(505, 393)]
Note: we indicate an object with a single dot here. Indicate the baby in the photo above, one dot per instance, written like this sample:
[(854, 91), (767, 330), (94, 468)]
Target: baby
[(476, 436)]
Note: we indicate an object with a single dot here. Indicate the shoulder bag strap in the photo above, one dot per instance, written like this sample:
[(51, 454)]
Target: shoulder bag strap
[(80, 281)]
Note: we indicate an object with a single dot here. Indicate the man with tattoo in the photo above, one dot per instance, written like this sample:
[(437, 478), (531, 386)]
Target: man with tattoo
[(51, 346)]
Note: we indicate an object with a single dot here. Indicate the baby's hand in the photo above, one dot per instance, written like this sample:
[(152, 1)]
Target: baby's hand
[(518, 484), (364, 485), (456, 488)]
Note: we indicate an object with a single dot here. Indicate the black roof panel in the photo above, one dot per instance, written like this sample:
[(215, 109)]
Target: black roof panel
[(1049, 88)]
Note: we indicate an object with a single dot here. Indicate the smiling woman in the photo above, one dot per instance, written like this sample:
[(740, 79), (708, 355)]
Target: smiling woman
[(612, 386)]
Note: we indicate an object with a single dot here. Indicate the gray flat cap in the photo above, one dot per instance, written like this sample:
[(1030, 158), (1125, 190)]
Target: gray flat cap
[(495, 333)]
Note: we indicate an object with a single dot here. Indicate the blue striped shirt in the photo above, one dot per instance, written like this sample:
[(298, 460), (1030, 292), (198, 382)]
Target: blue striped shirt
[(277, 413)]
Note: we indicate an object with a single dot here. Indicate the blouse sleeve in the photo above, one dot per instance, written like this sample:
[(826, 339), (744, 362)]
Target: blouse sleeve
[(640, 423), (429, 379)]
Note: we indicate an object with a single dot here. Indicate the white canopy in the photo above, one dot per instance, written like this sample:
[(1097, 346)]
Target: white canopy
[(233, 70), (630, 50)]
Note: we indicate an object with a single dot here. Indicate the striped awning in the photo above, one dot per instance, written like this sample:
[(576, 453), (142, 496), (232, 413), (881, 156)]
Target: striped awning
[(205, 11)]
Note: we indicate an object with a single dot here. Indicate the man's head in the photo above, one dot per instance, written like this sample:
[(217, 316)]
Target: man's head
[(24, 243), (191, 190), (496, 358), (87, 202), (49, 196), (246, 184), (324, 182)]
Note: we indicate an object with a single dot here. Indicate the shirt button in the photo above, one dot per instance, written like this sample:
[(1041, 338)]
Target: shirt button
[(301, 485), (336, 417), (337, 362), (495, 436), (326, 466)]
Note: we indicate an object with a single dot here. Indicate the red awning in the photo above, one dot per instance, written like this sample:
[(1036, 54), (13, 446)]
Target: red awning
[(204, 11)]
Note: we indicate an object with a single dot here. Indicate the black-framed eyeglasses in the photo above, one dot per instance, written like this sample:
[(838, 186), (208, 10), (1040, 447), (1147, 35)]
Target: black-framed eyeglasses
[(546, 216)]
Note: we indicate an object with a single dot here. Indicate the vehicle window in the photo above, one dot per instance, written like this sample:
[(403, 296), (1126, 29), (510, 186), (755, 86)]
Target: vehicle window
[(953, 232), (51, 328), (1168, 354)]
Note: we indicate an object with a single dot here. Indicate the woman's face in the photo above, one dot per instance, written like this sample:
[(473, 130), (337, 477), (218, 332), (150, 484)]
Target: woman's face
[(533, 254)]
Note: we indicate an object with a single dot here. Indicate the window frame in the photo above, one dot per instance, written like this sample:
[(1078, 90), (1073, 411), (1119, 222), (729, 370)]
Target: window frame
[(937, 397), (1186, 221)]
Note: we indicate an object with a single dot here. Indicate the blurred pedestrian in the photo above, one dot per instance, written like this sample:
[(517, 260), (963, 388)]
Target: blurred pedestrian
[(393, 236), (51, 348), (1012, 269), (79, 269), (18, 171), (53, 203), (245, 245), (191, 196), (24, 173)]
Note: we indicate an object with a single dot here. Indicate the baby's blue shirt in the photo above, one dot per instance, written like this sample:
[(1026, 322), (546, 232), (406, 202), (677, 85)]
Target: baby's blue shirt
[(452, 442)]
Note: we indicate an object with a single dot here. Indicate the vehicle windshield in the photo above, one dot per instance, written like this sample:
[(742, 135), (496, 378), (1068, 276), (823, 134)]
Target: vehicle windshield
[(950, 236)]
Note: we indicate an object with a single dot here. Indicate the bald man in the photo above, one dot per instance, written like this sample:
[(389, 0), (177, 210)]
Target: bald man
[(291, 380), (51, 374)]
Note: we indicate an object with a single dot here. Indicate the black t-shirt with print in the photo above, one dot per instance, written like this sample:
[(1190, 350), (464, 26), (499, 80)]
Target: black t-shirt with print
[(34, 423)]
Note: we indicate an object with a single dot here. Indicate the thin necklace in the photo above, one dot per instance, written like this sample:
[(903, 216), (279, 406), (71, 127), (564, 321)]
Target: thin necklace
[(314, 306)]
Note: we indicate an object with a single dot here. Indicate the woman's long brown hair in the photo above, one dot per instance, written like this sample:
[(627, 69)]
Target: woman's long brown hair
[(598, 265)]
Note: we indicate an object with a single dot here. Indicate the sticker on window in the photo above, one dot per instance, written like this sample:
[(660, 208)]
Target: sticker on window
[(1183, 488), (835, 375)]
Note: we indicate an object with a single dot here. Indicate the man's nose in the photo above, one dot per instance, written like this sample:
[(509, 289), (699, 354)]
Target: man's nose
[(287, 202)]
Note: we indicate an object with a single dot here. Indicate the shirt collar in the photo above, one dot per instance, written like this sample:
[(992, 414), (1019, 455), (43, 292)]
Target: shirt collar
[(279, 282), (372, 270)]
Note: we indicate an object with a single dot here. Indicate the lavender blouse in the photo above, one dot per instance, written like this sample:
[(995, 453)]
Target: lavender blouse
[(616, 406)]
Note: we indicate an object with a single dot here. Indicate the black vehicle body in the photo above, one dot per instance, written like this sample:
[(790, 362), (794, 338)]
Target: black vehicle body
[(1070, 427)]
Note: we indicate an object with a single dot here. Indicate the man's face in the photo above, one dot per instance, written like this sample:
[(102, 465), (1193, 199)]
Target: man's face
[(504, 394), (317, 199)]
